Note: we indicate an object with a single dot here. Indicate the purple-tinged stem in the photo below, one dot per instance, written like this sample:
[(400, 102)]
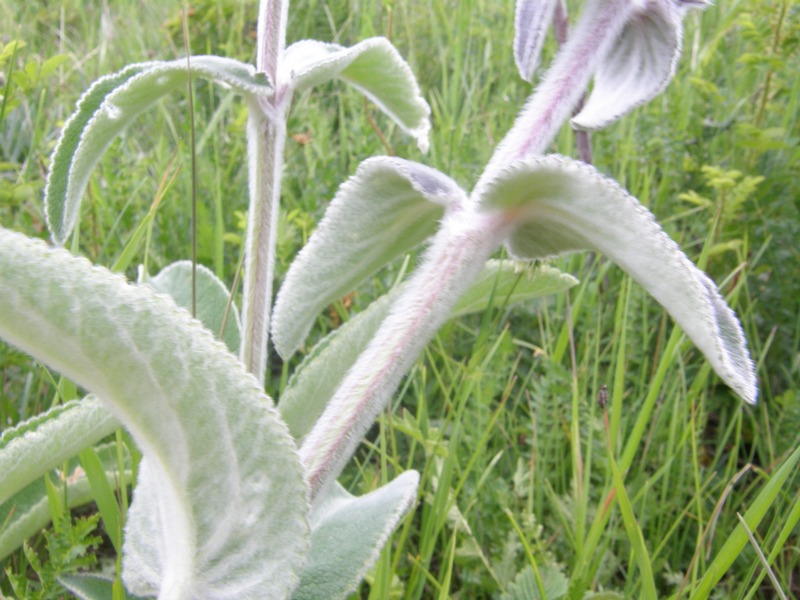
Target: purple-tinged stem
[(271, 36), (555, 99), (455, 258), (583, 139), (266, 140)]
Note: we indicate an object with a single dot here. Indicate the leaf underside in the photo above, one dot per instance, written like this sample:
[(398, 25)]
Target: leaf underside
[(531, 22), (348, 533), (374, 67), (638, 68)]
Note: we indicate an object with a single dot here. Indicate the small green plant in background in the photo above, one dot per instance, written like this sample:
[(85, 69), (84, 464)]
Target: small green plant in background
[(234, 498)]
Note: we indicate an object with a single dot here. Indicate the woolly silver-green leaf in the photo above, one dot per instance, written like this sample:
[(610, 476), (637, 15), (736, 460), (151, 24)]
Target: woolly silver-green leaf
[(348, 533), (373, 66), (389, 206), (226, 488), (562, 205), (214, 307), (108, 107), (638, 67), (532, 19), (33, 447)]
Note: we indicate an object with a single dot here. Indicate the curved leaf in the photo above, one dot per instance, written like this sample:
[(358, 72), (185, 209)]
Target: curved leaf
[(347, 534), (227, 490), (531, 22), (28, 511), (108, 107), (562, 205), (317, 378), (35, 446), (213, 299), (638, 67), (389, 206), (373, 66)]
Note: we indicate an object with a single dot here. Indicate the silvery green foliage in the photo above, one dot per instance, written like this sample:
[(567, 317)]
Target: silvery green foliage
[(537, 207), (374, 67), (389, 206), (214, 307), (347, 534), (639, 66), (219, 510), (108, 107), (629, 47), (222, 473), (47, 440), (532, 20), (562, 205)]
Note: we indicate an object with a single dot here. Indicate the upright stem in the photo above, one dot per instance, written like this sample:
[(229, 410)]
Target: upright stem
[(455, 258), (563, 87), (266, 139)]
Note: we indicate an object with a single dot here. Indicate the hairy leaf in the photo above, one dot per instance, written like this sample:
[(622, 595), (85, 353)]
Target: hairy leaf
[(347, 534), (226, 489), (373, 66), (563, 205), (213, 299), (638, 67), (389, 206), (28, 511), (108, 107), (532, 20), (35, 446)]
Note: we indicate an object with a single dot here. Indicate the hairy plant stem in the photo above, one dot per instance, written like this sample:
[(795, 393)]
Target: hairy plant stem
[(562, 88), (266, 140), (452, 262)]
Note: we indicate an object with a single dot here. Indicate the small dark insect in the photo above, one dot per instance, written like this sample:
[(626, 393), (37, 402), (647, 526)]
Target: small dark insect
[(602, 396)]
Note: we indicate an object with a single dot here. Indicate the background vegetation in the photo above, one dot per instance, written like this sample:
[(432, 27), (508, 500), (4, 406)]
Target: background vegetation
[(501, 414)]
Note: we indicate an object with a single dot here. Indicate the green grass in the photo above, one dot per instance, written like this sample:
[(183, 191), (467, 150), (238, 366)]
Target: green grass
[(526, 481)]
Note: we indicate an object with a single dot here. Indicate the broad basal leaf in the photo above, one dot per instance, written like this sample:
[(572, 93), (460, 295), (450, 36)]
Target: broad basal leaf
[(562, 205), (226, 490), (348, 533), (108, 107), (373, 66), (389, 206), (214, 307)]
